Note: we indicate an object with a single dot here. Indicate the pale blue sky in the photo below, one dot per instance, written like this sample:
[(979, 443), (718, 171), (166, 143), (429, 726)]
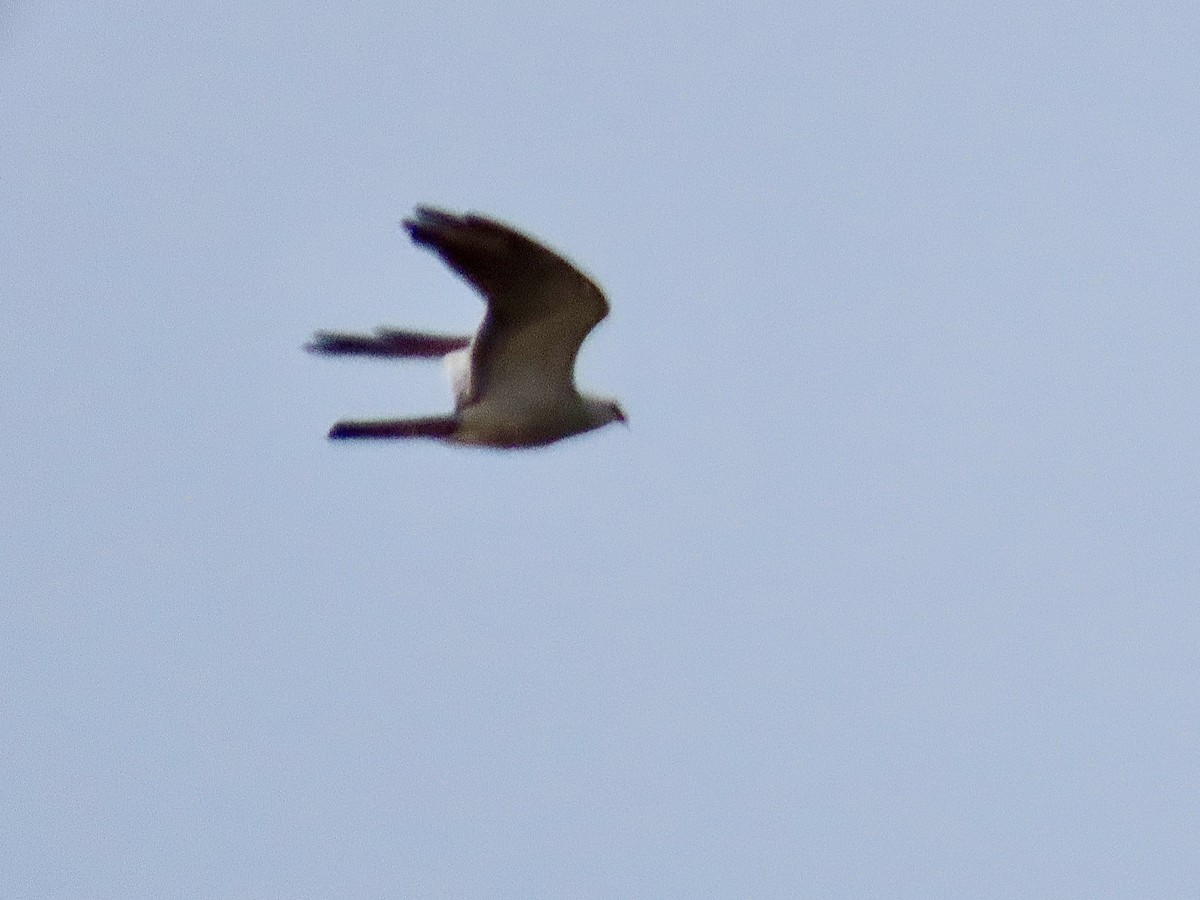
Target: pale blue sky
[(890, 590)]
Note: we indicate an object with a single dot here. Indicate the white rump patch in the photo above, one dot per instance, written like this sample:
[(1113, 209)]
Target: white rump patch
[(458, 370)]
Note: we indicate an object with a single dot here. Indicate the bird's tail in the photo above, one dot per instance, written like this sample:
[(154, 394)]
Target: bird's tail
[(386, 342), (438, 427)]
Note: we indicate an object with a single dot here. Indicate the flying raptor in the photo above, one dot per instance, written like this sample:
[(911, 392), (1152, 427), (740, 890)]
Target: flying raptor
[(513, 380)]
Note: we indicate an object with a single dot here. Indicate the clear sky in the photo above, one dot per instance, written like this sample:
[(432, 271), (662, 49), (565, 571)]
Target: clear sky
[(890, 589)]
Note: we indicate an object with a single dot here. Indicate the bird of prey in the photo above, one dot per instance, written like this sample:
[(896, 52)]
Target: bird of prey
[(513, 380)]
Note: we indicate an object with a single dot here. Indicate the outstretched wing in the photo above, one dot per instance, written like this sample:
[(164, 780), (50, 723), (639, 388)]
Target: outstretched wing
[(539, 306), (386, 342)]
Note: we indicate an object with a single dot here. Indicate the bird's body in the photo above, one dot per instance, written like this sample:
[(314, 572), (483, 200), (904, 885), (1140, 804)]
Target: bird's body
[(514, 379)]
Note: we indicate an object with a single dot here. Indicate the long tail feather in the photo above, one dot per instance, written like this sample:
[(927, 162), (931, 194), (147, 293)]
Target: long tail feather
[(439, 427), (386, 342)]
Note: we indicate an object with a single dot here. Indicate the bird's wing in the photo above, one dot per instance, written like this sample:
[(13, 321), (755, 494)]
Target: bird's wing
[(386, 342), (539, 306)]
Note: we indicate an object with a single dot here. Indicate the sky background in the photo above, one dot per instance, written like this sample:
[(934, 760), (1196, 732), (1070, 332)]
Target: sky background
[(889, 590)]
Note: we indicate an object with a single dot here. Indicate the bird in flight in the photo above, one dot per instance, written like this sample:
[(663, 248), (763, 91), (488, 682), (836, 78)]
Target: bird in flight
[(513, 381)]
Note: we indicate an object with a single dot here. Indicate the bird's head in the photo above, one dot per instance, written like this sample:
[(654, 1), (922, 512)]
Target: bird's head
[(603, 410)]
